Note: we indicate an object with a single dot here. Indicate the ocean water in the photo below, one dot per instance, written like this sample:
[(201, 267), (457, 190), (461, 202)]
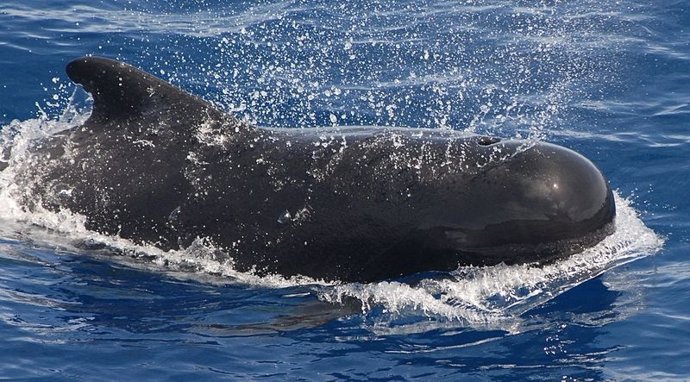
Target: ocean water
[(610, 79)]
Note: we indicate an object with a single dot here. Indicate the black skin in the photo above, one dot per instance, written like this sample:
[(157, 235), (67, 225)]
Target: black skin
[(157, 165)]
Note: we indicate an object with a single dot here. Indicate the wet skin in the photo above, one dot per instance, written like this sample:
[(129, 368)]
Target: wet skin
[(157, 165)]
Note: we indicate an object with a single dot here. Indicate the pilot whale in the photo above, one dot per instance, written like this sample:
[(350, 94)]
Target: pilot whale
[(157, 165)]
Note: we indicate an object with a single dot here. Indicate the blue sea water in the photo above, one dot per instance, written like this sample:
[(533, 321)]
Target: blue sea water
[(610, 79)]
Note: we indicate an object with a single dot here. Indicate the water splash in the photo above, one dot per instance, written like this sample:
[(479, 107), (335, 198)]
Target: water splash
[(495, 297), (489, 67)]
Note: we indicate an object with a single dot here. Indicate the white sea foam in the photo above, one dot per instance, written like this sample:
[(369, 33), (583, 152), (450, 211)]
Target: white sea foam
[(496, 296)]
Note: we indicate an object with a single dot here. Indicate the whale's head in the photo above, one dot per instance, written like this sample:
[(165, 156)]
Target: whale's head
[(539, 202)]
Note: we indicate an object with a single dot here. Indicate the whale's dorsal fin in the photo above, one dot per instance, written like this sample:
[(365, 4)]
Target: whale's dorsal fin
[(122, 92)]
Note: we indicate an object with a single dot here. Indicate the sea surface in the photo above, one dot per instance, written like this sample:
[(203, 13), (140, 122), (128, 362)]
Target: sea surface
[(610, 79)]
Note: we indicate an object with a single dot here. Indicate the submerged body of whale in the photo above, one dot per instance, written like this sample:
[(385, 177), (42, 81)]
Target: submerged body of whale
[(157, 165)]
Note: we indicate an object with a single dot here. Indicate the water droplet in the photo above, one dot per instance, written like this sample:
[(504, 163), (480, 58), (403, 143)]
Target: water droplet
[(285, 217)]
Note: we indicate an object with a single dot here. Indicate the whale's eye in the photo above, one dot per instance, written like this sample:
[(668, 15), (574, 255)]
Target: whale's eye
[(485, 141)]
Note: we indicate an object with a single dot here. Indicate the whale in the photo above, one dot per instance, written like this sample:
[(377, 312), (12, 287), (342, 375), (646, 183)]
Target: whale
[(159, 166)]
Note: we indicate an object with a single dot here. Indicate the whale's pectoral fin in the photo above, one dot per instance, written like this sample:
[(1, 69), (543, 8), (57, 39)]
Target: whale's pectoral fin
[(122, 93)]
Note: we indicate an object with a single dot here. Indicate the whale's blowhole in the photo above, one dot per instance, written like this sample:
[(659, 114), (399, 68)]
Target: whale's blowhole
[(488, 141)]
